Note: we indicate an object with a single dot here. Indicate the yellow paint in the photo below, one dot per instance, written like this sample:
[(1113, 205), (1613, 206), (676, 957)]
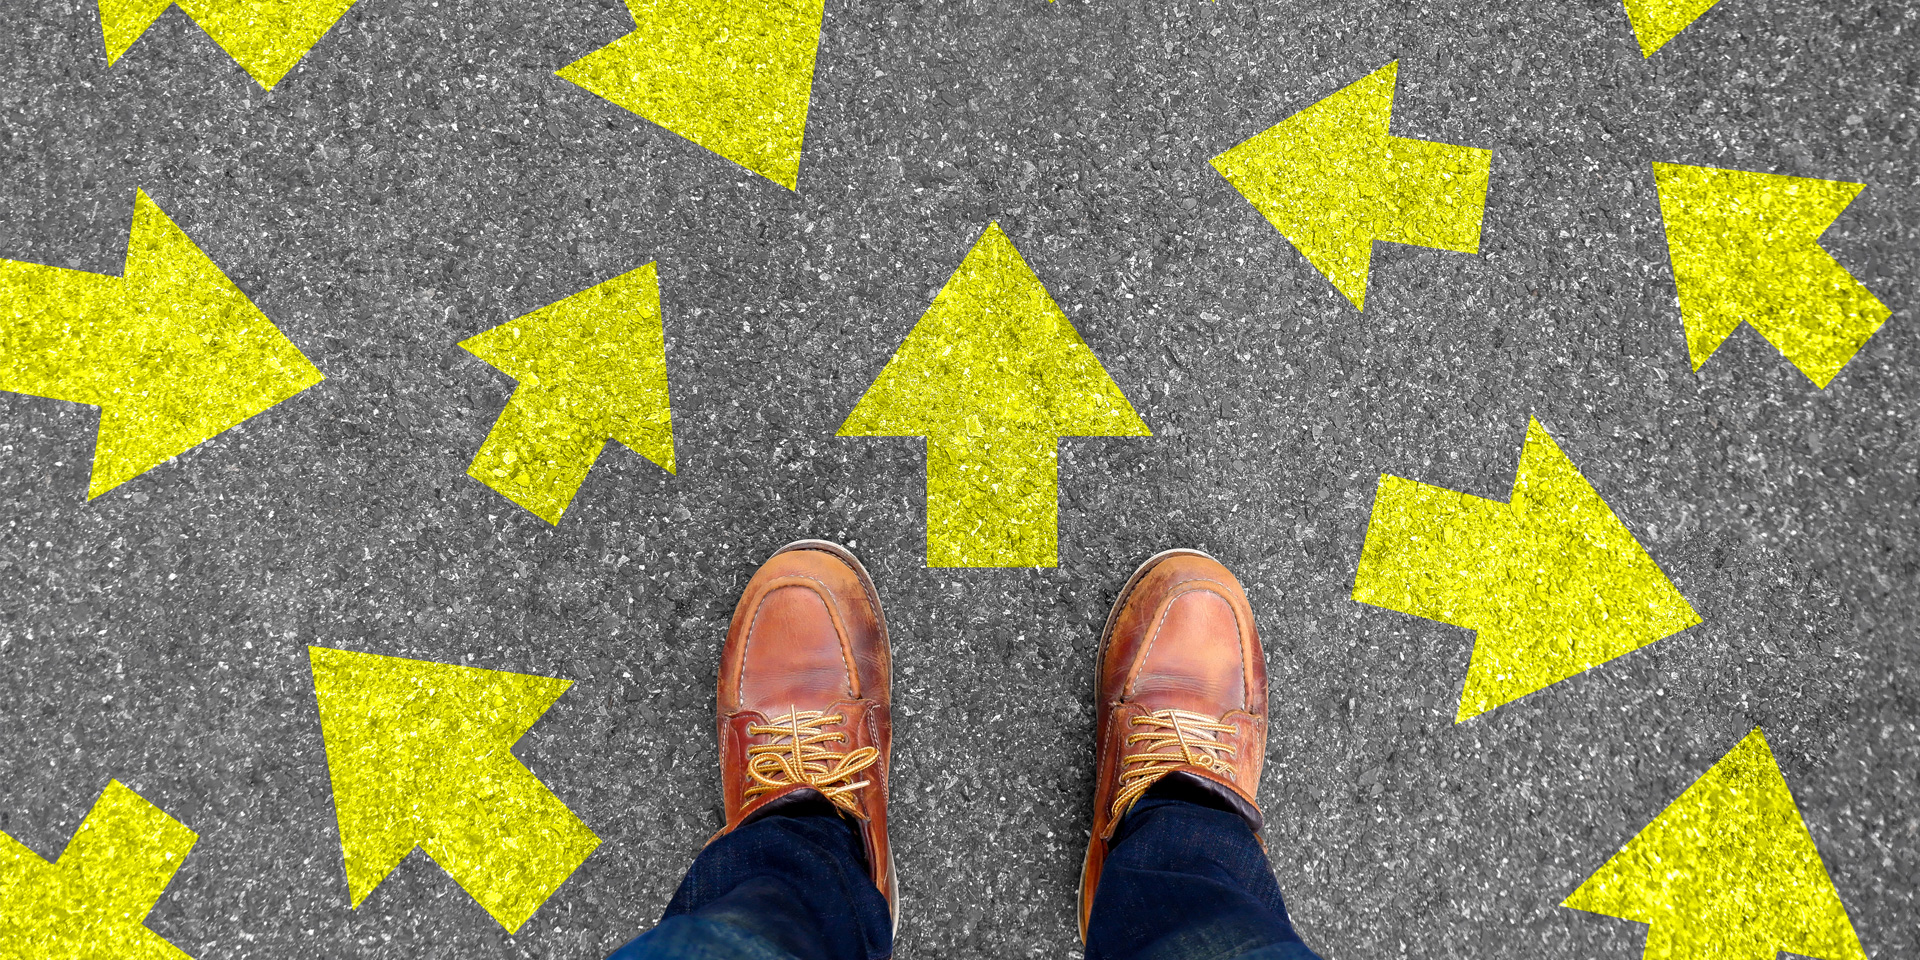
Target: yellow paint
[(993, 375), (266, 37), (733, 76), (1332, 181), (1552, 581), (1728, 872), (592, 367), (171, 351), (1657, 21), (91, 904), (1746, 247), (421, 755)]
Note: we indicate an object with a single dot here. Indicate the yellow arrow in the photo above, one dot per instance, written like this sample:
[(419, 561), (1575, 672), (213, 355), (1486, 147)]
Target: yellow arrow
[(1746, 247), (993, 375), (1332, 181), (92, 903), (592, 367), (266, 37), (421, 755), (1727, 872), (1552, 581), (1657, 21), (733, 76), (171, 351)]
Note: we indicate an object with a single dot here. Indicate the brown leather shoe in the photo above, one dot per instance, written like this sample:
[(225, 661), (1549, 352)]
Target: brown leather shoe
[(1182, 689), (805, 688)]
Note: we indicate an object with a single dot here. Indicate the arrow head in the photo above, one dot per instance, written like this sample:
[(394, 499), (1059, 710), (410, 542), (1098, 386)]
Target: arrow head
[(1727, 872), (1552, 582), (421, 754), (1332, 180)]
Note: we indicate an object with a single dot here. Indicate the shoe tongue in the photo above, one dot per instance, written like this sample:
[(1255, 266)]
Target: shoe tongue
[(1194, 661)]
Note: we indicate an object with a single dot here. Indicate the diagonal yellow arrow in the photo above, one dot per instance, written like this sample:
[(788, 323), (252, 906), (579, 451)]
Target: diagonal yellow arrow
[(171, 351), (993, 376), (1746, 247), (733, 76), (1332, 180), (592, 367), (266, 37), (1552, 581), (93, 901), (421, 755), (1657, 21), (1727, 872)]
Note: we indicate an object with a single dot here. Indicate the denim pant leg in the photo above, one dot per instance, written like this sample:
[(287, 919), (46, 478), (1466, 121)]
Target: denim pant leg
[(792, 886), (1185, 881)]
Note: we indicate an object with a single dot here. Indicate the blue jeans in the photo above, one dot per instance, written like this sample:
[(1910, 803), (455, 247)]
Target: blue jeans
[(1184, 880)]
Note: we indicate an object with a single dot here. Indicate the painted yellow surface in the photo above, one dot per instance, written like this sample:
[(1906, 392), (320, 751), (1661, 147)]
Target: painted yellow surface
[(266, 37), (1727, 872), (1332, 180), (592, 368), (421, 755), (1657, 21), (733, 76), (1746, 247), (993, 375), (171, 351), (1552, 581), (92, 902)]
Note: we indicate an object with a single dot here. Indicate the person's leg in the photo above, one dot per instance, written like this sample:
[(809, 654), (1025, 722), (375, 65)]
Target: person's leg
[(802, 868), (1175, 869)]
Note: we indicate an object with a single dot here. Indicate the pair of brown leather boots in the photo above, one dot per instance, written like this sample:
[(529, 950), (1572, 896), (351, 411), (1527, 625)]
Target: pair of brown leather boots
[(806, 682)]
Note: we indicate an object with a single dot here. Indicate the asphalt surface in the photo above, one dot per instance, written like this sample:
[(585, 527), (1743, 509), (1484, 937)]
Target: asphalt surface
[(422, 176)]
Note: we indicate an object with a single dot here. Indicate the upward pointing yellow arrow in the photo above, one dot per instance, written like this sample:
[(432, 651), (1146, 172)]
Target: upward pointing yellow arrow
[(1746, 247), (733, 76), (1727, 872), (993, 375), (1332, 180), (91, 903), (171, 351), (1552, 581), (266, 37), (421, 755)]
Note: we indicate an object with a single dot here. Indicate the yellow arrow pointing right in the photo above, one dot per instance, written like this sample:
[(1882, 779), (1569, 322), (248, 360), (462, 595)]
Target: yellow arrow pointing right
[(421, 755), (1746, 247), (171, 351), (1551, 581), (1332, 180), (266, 37), (1727, 872)]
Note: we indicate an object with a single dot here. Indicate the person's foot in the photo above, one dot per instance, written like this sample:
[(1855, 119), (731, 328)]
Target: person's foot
[(805, 686), (1182, 691)]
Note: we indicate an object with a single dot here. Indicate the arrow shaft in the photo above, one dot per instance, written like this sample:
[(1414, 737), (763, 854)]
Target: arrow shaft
[(50, 322), (1424, 193), (538, 454), (993, 501)]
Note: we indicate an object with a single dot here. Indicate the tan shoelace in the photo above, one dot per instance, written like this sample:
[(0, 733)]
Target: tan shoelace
[(798, 757), (1196, 735)]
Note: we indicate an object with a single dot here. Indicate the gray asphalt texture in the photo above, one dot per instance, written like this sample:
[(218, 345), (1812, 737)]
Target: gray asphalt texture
[(422, 176)]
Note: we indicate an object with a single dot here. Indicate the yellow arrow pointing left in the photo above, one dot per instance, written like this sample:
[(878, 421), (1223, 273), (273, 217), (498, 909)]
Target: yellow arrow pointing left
[(171, 351), (92, 902), (421, 755), (266, 37), (1333, 180)]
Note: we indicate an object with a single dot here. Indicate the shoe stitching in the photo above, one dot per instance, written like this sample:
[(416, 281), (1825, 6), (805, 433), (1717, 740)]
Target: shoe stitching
[(1246, 681), (839, 629)]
